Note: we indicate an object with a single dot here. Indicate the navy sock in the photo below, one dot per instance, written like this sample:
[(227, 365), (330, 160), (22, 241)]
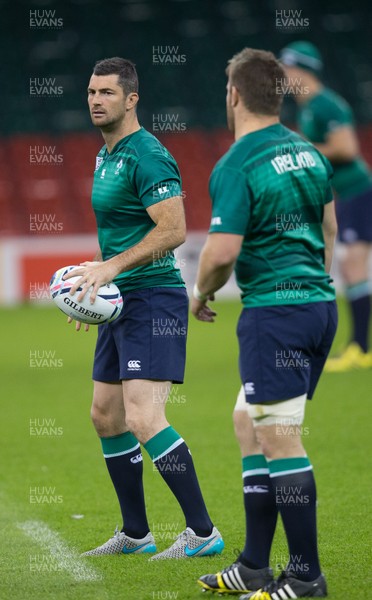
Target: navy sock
[(260, 512), (294, 487), (124, 462), (360, 307), (172, 459)]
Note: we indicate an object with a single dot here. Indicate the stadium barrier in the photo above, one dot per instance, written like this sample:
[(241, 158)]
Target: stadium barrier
[(27, 264)]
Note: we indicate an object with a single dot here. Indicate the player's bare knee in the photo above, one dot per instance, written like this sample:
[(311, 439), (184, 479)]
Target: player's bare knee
[(100, 419), (107, 423), (137, 423), (267, 442), (278, 426), (144, 425), (133, 425)]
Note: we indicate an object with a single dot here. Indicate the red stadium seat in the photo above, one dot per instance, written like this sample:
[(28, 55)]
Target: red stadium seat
[(10, 208), (365, 139), (80, 151), (38, 166), (221, 140), (193, 154)]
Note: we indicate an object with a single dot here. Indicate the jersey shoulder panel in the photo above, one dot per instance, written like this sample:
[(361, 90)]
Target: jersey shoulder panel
[(330, 108), (146, 143), (155, 175)]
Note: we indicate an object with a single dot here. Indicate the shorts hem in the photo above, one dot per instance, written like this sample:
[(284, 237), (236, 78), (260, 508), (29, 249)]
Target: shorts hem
[(274, 400)]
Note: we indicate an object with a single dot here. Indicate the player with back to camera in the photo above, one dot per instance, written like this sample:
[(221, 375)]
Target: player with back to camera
[(138, 205), (327, 121), (273, 221)]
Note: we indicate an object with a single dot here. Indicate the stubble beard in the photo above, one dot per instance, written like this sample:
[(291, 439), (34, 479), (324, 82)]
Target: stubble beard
[(110, 124)]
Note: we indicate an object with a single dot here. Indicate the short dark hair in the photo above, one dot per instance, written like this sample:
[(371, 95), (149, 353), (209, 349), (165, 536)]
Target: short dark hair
[(125, 69), (259, 77)]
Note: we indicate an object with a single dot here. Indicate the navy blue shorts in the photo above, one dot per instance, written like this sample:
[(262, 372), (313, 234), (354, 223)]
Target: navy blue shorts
[(148, 339), (283, 349), (354, 218)]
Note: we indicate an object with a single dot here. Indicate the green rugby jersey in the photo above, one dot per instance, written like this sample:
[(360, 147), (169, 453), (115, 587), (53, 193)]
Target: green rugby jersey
[(318, 117), (271, 187), (137, 173)]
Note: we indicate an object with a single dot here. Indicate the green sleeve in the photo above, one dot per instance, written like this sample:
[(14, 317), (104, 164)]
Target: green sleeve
[(333, 114), (156, 178), (231, 204), (329, 194)]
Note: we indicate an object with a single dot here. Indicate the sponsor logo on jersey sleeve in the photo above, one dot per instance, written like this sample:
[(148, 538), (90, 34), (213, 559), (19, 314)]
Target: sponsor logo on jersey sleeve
[(163, 190)]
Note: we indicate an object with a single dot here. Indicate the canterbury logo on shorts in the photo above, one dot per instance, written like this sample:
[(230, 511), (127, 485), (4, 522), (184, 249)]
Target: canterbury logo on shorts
[(249, 388), (134, 365)]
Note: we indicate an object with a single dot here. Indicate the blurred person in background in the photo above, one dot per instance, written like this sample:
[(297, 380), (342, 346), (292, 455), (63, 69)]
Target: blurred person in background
[(326, 120)]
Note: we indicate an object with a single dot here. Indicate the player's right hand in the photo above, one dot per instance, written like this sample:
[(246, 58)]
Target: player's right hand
[(201, 310), (78, 324)]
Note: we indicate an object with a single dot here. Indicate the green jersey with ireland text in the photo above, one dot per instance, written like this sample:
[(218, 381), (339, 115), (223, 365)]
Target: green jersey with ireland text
[(137, 173), (317, 118), (271, 187)]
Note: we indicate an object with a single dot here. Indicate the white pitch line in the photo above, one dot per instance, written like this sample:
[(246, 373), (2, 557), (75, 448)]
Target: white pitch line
[(66, 558)]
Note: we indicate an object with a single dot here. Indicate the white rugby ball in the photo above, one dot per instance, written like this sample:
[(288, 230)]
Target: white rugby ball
[(106, 307)]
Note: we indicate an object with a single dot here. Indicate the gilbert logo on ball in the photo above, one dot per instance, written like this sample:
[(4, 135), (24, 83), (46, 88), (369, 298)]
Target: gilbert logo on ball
[(106, 307)]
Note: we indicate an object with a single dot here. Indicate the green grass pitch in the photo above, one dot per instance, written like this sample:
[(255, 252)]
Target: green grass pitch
[(45, 383)]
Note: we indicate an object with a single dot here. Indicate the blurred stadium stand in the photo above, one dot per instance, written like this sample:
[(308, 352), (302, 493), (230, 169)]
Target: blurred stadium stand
[(64, 191), (206, 33)]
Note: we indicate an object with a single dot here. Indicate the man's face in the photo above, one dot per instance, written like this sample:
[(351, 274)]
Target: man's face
[(229, 108), (107, 101)]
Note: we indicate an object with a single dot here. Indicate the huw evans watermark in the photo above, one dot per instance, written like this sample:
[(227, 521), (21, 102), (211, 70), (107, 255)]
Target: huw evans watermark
[(291, 290), (45, 87), (45, 19), (291, 20), (291, 359), (45, 155), (45, 223), (45, 495), (45, 359), (45, 427), (168, 55), (39, 291), (168, 123), (290, 222)]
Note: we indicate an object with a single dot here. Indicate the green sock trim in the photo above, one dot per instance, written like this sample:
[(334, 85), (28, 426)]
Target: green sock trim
[(119, 444), (254, 461), (358, 290), (253, 465), (162, 443), (286, 466)]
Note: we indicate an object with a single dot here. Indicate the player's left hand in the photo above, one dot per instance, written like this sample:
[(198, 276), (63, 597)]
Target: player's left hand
[(93, 274), (202, 311)]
